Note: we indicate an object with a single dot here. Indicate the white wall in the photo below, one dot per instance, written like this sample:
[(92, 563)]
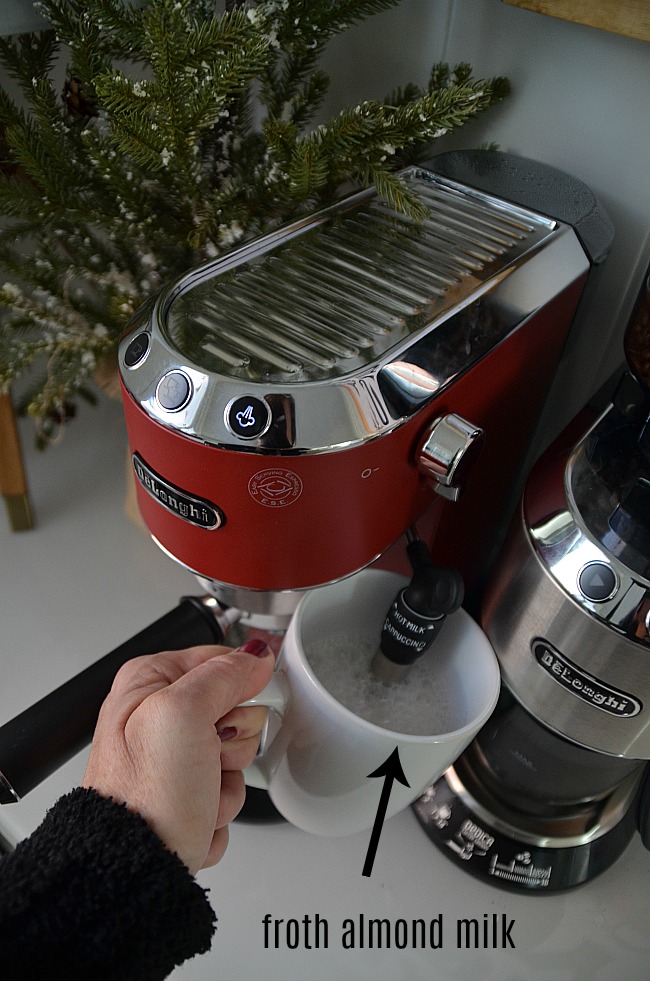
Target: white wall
[(17, 16), (580, 102)]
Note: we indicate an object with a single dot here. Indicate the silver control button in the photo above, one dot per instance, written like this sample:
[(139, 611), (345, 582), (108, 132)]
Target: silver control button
[(174, 391)]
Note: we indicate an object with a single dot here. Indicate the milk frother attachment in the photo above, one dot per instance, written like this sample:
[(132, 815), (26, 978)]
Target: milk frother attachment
[(417, 614)]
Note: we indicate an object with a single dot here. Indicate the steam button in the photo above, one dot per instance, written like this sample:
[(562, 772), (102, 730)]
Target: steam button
[(248, 417), (597, 581), (174, 391)]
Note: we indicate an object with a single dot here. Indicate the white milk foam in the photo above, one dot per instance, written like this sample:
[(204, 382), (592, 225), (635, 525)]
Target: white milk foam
[(421, 704)]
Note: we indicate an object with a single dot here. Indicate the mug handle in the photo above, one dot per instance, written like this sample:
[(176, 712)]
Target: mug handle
[(275, 697)]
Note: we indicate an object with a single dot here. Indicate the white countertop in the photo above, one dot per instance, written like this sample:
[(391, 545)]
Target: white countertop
[(84, 580)]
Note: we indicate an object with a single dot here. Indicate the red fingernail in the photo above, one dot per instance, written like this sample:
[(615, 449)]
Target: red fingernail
[(228, 732), (255, 646)]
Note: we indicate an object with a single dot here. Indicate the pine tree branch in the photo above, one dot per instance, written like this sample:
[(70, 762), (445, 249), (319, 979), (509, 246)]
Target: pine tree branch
[(179, 134), (28, 56)]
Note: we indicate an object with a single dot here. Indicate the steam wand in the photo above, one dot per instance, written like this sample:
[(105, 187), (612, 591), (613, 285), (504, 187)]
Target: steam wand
[(417, 614)]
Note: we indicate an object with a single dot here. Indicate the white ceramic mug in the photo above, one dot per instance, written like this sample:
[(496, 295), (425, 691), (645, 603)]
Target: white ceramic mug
[(316, 765)]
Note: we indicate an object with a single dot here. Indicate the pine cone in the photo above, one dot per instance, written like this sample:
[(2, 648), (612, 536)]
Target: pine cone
[(77, 101)]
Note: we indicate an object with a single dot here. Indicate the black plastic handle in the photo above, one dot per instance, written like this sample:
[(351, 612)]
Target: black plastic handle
[(419, 610), (49, 733)]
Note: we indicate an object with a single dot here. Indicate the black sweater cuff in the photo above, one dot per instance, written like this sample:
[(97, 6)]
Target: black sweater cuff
[(93, 892)]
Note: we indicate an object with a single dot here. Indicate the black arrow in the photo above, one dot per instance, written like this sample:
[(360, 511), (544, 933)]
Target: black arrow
[(391, 768)]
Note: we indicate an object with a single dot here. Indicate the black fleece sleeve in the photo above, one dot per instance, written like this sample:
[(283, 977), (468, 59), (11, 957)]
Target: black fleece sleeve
[(93, 893)]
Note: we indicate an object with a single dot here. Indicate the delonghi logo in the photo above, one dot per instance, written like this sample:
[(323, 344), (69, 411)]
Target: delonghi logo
[(192, 509), (579, 683)]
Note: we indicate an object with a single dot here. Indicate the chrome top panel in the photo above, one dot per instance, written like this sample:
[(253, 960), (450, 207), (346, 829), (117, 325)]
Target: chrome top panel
[(346, 322)]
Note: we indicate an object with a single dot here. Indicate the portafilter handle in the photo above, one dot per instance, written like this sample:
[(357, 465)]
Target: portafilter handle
[(47, 734)]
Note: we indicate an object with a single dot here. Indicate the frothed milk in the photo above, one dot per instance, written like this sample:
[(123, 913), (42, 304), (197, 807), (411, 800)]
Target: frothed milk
[(424, 703), (336, 723)]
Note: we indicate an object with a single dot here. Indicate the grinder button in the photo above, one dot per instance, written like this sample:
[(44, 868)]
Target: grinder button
[(247, 417), (597, 581)]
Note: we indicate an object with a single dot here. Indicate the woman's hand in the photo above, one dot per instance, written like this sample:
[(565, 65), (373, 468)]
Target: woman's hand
[(171, 743)]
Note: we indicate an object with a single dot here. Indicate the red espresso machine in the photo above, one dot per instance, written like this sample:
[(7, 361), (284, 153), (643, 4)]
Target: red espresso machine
[(316, 392), (296, 406)]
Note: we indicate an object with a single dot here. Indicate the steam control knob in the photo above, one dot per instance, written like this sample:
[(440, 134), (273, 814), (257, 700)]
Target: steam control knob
[(448, 453)]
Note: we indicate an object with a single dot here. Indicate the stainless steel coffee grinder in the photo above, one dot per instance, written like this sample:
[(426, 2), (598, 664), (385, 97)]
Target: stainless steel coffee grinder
[(553, 788)]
